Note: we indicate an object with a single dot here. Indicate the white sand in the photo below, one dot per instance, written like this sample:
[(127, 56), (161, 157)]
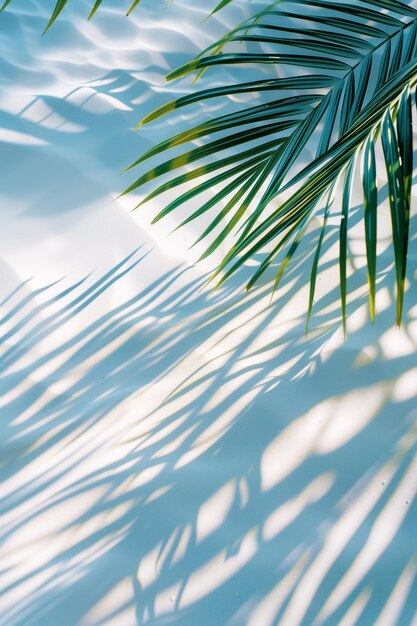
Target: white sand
[(170, 457)]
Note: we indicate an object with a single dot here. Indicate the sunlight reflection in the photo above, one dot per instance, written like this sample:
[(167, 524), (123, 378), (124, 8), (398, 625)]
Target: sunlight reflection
[(338, 537), (288, 512), (346, 416), (218, 570), (115, 600), (147, 571), (398, 342), (14, 136), (381, 534), (352, 615), (391, 612), (214, 511), (405, 387), (266, 611)]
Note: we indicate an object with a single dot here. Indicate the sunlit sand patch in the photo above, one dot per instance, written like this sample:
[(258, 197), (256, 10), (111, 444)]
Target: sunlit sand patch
[(218, 570), (266, 611), (213, 512), (114, 601), (13, 136)]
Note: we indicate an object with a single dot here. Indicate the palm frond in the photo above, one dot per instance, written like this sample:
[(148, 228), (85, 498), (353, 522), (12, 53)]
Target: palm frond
[(352, 94), (60, 4)]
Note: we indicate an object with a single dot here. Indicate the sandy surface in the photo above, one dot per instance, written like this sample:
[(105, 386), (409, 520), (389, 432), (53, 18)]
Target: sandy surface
[(167, 456)]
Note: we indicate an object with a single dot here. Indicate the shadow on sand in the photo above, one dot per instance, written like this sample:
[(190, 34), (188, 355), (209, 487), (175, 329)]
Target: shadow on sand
[(195, 460)]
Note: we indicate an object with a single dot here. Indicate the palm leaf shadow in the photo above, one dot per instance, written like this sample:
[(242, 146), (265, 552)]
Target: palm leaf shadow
[(279, 516)]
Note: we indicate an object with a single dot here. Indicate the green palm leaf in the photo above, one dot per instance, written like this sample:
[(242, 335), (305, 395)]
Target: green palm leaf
[(349, 74), (353, 92), (60, 4)]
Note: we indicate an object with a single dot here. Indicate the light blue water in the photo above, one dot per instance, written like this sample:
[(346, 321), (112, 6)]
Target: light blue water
[(170, 457)]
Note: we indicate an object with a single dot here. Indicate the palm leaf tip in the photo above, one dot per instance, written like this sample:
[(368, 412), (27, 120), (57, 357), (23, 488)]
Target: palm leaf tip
[(133, 7), (94, 9)]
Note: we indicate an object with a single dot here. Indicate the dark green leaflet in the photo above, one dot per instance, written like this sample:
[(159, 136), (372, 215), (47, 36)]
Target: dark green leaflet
[(343, 238), (315, 265), (370, 195)]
